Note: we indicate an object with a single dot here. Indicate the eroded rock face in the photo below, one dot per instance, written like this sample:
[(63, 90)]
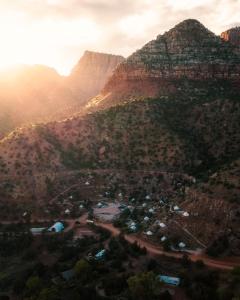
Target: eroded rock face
[(91, 73), (188, 52), (232, 35)]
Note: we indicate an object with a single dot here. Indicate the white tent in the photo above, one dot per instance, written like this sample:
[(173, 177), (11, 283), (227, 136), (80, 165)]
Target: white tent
[(163, 239), (146, 218), (181, 245), (149, 233), (162, 225), (186, 214)]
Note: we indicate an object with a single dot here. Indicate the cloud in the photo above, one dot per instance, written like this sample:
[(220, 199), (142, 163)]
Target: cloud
[(68, 27)]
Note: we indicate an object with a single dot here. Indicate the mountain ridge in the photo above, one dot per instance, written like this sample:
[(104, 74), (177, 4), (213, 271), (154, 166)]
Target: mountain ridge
[(189, 51)]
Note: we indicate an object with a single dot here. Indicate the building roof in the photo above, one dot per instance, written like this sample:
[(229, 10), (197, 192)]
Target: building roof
[(100, 254), (169, 279), (37, 230), (57, 227), (182, 245)]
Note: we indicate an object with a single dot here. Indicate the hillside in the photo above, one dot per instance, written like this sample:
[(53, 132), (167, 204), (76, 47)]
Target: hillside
[(33, 94), (190, 130)]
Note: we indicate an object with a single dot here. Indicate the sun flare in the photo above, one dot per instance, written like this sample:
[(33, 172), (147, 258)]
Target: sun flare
[(43, 43)]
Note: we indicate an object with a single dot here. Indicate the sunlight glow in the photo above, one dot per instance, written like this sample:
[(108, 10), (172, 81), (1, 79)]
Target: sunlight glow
[(41, 42)]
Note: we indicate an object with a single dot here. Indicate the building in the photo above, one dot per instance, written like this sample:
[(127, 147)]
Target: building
[(36, 231), (149, 233), (163, 239), (181, 245), (57, 227), (100, 255), (169, 280)]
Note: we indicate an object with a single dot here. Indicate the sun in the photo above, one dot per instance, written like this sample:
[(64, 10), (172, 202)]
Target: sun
[(43, 42)]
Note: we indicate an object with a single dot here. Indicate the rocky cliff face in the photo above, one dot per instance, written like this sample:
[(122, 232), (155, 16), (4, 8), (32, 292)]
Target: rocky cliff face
[(232, 35), (188, 52), (91, 73)]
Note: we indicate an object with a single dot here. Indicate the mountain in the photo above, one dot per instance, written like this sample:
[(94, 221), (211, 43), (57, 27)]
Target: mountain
[(170, 111), (33, 94), (91, 73), (29, 94), (188, 56), (232, 35)]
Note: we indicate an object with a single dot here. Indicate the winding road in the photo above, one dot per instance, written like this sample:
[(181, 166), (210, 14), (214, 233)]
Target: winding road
[(223, 264)]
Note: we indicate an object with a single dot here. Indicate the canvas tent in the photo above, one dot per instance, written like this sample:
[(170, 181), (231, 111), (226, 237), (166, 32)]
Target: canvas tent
[(57, 227)]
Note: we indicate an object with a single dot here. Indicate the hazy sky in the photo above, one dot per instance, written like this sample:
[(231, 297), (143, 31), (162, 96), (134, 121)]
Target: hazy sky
[(57, 32)]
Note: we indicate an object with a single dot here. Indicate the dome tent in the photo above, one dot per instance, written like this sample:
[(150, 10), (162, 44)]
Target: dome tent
[(57, 227)]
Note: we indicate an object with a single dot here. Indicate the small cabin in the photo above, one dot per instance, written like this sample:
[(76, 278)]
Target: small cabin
[(169, 280)]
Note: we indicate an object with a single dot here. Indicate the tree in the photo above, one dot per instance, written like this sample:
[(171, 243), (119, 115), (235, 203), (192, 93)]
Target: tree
[(33, 285), (82, 270), (143, 286), (51, 293)]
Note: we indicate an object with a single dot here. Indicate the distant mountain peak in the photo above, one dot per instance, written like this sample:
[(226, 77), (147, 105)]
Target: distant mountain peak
[(190, 28), (232, 35)]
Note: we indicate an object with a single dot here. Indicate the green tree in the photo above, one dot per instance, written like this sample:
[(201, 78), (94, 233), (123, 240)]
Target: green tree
[(82, 270), (51, 293), (143, 286), (33, 285)]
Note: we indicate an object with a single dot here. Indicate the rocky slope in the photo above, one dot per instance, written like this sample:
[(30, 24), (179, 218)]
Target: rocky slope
[(232, 35), (189, 54), (31, 94)]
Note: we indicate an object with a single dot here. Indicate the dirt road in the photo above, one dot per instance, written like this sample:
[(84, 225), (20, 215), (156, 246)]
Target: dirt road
[(227, 264)]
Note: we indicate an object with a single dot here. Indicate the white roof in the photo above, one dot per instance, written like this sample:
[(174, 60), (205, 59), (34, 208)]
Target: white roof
[(133, 227), (144, 204), (67, 211), (87, 183), (176, 207), (151, 210), (147, 197), (181, 245), (186, 214), (149, 233), (146, 218), (162, 225), (163, 239)]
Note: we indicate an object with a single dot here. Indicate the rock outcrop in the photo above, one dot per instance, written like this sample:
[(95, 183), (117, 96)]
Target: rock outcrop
[(188, 52), (91, 73), (232, 35)]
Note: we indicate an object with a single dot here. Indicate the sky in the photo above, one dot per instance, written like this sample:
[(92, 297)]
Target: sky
[(57, 32)]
